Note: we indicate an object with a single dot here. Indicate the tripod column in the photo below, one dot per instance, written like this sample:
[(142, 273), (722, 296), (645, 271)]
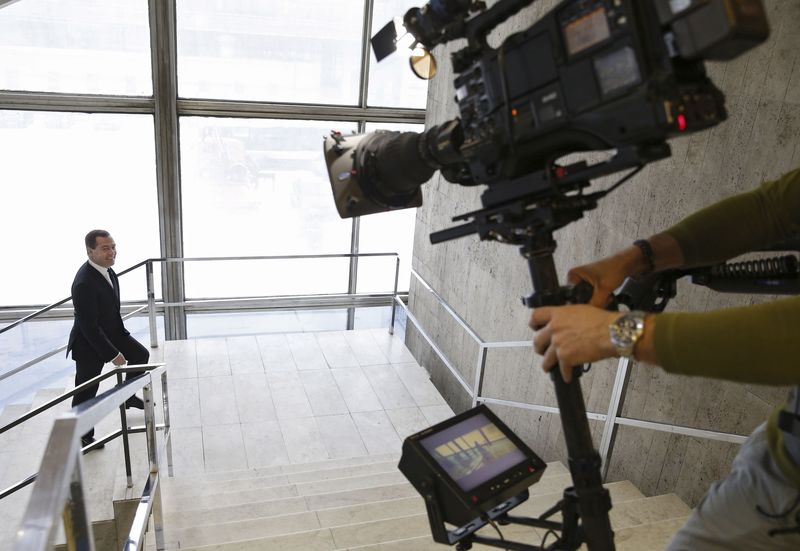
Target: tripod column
[(584, 461)]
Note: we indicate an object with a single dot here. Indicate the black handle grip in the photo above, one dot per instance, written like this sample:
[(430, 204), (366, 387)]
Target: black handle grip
[(581, 292)]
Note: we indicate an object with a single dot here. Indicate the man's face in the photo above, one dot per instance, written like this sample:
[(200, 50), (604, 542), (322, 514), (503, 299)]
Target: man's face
[(104, 253)]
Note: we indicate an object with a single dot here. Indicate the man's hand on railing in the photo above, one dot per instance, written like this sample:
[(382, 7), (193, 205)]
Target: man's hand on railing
[(119, 360)]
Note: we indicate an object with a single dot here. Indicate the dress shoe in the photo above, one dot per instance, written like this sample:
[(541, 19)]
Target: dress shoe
[(134, 402), (89, 440)]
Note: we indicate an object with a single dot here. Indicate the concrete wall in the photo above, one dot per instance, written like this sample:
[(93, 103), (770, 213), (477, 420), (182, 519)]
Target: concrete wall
[(483, 281)]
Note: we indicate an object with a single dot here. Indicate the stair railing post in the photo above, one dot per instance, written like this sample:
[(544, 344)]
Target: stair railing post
[(152, 455), (167, 425), (394, 294), (151, 305), (123, 420), (77, 527)]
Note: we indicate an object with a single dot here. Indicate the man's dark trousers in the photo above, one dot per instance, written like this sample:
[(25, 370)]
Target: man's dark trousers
[(98, 333)]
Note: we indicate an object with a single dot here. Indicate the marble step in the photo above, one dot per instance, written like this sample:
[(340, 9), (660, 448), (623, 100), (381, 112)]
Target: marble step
[(386, 525), (289, 468), (329, 539), (181, 487), (282, 524), (413, 532), (194, 502), (206, 500), (363, 497), (654, 535), (646, 537), (212, 531)]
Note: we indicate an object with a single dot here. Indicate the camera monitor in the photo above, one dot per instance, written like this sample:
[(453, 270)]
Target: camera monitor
[(469, 464)]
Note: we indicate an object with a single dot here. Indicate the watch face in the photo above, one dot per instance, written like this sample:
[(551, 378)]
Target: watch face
[(626, 330)]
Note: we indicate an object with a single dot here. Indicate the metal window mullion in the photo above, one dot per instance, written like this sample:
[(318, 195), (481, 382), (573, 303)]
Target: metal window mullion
[(81, 103), (270, 110), (352, 280), (163, 50), (365, 48)]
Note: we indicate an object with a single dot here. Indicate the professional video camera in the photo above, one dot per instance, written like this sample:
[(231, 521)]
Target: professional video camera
[(590, 75)]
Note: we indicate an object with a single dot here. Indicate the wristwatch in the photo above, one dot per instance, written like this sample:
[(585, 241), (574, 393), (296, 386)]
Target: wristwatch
[(625, 331)]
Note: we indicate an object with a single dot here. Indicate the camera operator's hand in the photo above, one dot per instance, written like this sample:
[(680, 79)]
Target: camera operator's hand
[(607, 274), (572, 335)]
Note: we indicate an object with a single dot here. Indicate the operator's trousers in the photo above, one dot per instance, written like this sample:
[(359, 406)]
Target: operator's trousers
[(90, 367), (727, 517)]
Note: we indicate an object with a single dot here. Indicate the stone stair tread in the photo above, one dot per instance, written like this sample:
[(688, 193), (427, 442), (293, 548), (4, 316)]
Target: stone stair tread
[(282, 523), (269, 508), (179, 486), (654, 535), (291, 468), (648, 510), (195, 502), (329, 539), (621, 492), (357, 528), (357, 525), (200, 501), (419, 543), (183, 487)]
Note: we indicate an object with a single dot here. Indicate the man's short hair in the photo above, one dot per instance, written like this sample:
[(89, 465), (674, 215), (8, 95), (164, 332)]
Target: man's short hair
[(91, 237)]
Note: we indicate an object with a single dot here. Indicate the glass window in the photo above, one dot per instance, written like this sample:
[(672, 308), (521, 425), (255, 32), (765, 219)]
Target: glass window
[(34, 338), (254, 188), (80, 46), (391, 82), (63, 175), (386, 232), (281, 50)]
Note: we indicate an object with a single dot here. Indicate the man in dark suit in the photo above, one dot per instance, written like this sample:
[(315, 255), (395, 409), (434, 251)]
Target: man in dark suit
[(98, 335)]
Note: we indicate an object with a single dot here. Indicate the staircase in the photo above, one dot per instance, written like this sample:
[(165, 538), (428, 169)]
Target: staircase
[(365, 504), (22, 449), (280, 442)]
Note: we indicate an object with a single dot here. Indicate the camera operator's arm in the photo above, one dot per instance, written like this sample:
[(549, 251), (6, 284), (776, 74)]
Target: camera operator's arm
[(698, 343), (607, 274)]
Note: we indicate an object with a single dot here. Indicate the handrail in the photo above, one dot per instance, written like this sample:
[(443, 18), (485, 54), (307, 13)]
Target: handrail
[(151, 304), (70, 393), (612, 417), (55, 351), (117, 371), (61, 477), (170, 259), (34, 314)]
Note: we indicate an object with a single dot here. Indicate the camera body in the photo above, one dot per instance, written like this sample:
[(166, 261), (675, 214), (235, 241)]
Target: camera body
[(589, 75)]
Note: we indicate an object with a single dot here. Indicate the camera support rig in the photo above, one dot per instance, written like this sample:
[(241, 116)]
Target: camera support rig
[(525, 212)]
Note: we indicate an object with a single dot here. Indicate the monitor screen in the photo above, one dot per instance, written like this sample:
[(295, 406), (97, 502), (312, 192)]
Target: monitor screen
[(473, 451)]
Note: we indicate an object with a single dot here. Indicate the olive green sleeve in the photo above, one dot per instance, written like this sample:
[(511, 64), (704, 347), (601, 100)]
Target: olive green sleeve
[(751, 344), (742, 223)]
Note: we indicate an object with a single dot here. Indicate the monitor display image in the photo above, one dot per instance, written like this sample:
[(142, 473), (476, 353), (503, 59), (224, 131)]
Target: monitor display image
[(473, 451)]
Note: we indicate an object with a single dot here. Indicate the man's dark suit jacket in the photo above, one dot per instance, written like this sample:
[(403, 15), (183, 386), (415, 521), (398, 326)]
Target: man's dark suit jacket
[(98, 323)]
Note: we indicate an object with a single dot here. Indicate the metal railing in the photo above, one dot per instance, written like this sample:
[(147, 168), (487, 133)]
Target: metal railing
[(612, 418), (153, 306), (124, 430), (59, 488)]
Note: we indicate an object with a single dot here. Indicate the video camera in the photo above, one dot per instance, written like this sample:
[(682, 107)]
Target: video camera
[(590, 75)]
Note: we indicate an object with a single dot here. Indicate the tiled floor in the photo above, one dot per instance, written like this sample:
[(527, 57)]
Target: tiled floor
[(255, 401)]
